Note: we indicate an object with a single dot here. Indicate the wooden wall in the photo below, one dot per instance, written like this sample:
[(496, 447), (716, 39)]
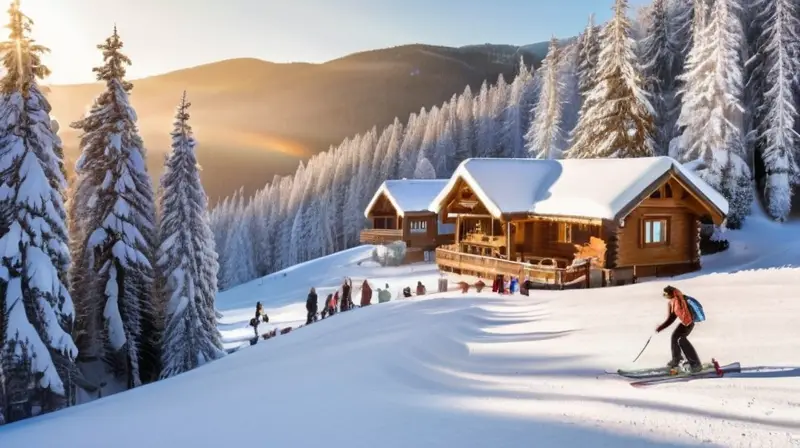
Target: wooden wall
[(680, 246), (424, 240)]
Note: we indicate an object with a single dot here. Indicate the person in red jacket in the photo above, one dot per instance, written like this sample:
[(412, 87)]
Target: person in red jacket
[(366, 294), (679, 309)]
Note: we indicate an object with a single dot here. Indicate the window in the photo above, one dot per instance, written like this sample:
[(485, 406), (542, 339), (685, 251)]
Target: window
[(655, 231), (417, 226), (564, 232)]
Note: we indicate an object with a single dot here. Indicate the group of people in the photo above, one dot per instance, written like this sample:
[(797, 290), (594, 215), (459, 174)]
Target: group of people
[(334, 303)]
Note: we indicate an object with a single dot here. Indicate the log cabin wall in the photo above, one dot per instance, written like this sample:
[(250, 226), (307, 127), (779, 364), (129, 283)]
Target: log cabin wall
[(660, 235), (420, 230)]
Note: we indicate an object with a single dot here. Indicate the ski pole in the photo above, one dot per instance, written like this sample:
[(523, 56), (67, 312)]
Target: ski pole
[(645, 346)]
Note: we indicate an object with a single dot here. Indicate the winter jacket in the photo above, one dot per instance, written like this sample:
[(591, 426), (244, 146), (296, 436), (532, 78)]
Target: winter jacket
[(420, 289), (513, 287), (678, 309), (366, 294), (384, 295), (346, 290), (311, 303)]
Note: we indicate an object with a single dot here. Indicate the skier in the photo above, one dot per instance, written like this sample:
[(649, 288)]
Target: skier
[(420, 289), (260, 314), (679, 309), (311, 306)]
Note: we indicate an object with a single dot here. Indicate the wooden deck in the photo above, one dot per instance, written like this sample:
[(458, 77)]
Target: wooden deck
[(487, 267), (380, 236)]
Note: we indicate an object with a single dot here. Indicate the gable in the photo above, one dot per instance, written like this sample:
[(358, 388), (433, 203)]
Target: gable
[(670, 191), (381, 206)]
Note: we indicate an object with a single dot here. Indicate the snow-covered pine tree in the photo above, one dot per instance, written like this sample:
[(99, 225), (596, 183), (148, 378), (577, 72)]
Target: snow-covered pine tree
[(571, 99), (681, 23), (239, 266), (660, 52), (119, 230), (710, 121), (445, 151), (588, 53), (186, 258), (545, 134), (517, 111), (390, 163), (424, 170), (36, 311), (466, 127), (617, 120), (484, 122), (498, 101), (771, 89)]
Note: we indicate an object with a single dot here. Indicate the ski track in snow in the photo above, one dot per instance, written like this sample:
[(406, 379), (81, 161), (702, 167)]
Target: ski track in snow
[(474, 370)]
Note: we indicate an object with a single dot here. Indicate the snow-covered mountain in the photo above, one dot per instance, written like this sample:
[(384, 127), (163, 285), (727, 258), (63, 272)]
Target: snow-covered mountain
[(474, 369)]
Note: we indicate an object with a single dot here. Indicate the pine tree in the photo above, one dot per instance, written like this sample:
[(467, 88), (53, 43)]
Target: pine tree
[(424, 170), (516, 114), (186, 258), (773, 72), (710, 122), (588, 54), (617, 117), (118, 222), (570, 95), (466, 127), (545, 134), (660, 56), (484, 122), (37, 353)]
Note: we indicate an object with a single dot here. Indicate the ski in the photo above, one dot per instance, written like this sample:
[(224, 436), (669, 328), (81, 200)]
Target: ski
[(715, 372), (654, 371)]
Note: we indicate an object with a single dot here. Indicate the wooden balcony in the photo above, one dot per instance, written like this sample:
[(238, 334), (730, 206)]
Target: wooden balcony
[(488, 267), (380, 236)]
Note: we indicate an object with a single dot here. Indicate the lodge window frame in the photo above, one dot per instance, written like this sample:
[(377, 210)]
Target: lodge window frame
[(648, 223), (417, 226)]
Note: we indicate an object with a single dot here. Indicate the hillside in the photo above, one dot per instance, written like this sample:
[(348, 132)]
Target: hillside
[(476, 369), (254, 119)]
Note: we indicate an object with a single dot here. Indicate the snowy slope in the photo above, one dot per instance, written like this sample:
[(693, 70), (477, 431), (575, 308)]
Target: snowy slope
[(473, 370)]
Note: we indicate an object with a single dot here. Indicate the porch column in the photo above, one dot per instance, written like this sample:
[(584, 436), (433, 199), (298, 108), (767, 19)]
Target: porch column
[(508, 240), (458, 232)]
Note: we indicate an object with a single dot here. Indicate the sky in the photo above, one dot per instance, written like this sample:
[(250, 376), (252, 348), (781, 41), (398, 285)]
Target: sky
[(165, 35)]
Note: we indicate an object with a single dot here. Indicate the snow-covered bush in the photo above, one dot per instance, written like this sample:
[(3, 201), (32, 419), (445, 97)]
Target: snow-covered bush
[(391, 254)]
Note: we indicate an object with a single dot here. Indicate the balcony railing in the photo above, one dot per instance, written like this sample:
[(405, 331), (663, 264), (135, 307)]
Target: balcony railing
[(487, 267), (380, 236)]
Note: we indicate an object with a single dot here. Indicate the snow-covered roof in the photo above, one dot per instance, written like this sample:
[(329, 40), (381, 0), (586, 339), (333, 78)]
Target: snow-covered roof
[(586, 188), (408, 195)]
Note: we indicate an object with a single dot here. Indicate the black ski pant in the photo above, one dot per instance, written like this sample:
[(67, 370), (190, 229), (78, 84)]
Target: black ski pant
[(680, 343), (311, 316)]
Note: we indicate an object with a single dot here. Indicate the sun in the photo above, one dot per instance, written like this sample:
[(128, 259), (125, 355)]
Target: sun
[(54, 26)]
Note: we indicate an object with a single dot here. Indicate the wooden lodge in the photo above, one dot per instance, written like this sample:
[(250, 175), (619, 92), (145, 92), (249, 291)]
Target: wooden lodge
[(575, 223), (399, 212)]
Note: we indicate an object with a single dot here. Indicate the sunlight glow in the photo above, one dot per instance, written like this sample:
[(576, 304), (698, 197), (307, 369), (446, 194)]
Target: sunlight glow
[(55, 28)]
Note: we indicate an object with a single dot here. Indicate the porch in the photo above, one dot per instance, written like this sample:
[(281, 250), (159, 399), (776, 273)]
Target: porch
[(542, 275)]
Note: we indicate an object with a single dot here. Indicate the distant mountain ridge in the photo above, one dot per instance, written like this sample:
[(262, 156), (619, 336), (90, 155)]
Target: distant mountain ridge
[(254, 119)]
